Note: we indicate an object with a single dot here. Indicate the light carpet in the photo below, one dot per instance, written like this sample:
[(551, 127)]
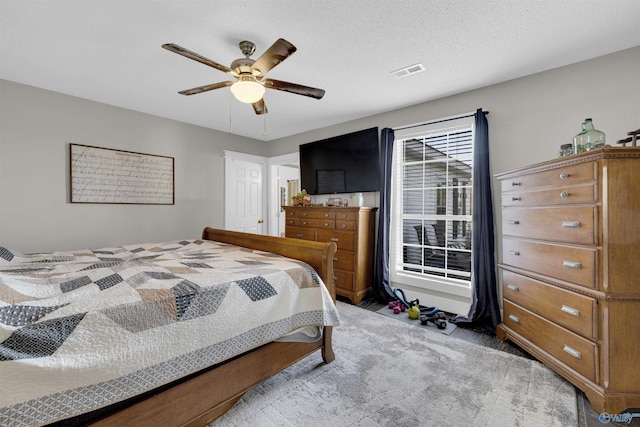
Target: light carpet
[(389, 373)]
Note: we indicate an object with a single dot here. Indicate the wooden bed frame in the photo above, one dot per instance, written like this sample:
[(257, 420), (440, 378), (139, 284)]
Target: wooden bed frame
[(202, 398)]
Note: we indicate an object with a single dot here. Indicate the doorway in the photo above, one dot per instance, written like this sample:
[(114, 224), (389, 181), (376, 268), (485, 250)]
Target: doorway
[(248, 201), (283, 171)]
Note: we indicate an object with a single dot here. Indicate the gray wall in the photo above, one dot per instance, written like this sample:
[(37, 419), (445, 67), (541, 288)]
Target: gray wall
[(36, 128), (529, 119)]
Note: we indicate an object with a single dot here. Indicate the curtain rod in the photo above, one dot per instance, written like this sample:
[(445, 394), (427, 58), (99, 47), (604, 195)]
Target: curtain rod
[(446, 119)]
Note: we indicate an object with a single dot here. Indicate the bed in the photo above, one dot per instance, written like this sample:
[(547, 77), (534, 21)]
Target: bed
[(283, 285)]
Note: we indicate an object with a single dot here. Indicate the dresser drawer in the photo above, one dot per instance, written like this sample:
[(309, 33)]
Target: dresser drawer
[(343, 279), (569, 309), (561, 224), (345, 240), (300, 233), (343, 260), (292, 220), (345, 225), (573, 350), (317, 213), (560, 176), (351, 216), (317, 223), (569, 263), (579, 193)]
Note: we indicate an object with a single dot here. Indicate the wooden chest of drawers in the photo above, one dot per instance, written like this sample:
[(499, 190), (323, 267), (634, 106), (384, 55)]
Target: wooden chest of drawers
[(570, 270), (352, 228)]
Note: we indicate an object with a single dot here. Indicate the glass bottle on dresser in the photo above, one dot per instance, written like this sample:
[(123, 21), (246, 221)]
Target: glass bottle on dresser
[(589, 139)]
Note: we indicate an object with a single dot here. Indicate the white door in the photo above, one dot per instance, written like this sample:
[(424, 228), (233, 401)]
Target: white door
[(244, 195), (281, 169)]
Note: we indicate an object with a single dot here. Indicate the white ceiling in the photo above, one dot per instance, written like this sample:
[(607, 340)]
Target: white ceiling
[(109, 51)]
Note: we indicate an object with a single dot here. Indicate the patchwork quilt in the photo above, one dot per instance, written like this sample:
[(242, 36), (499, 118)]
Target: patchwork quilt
[(80, 330)]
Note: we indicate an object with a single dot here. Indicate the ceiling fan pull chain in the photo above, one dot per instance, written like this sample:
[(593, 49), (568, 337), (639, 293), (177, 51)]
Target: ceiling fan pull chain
[(230, 113), (264, 130)]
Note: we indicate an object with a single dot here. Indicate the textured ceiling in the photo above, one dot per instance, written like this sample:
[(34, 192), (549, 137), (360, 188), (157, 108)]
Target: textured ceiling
[(109, 51)]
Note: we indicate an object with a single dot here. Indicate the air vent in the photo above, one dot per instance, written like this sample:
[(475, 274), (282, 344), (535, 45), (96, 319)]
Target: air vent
[(407, 71)]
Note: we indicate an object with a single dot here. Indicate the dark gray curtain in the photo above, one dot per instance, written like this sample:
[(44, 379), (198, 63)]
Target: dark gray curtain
[(381, 284), (485, 310)]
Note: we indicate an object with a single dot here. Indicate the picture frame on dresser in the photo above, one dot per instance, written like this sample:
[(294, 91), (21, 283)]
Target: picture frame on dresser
[(569, 269)]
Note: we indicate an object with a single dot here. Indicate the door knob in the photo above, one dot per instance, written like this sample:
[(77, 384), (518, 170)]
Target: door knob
[(260, 221)]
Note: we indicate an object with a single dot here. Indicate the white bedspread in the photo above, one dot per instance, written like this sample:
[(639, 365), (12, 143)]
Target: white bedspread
[(80, 330)]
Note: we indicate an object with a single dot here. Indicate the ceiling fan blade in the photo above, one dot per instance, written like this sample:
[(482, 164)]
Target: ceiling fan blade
[(205, 88), (293, 88), (192, 55), (260, 107), (278, 52)]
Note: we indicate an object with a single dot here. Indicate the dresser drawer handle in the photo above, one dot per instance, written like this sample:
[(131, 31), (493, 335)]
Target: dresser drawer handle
[(572, 264), (513, 287), (572, 351), (344, 225), (514, 318), (564, 194), (326, 224), (335, 278), (334, 239), (516, 199), (570, 310), (516, 253), (304, 214), (335, 259), (515, 184), (571, 224), (304, 222), (514, 222), (564, 175), (326, 215), (299, 236)]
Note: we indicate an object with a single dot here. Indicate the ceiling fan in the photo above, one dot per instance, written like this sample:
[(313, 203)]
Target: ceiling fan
[(250, 84)]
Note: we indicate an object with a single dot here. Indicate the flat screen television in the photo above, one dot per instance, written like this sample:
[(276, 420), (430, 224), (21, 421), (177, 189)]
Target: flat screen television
[(341, 164)]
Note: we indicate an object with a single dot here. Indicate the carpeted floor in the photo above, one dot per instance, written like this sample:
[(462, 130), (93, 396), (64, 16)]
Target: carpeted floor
[(389, 373)]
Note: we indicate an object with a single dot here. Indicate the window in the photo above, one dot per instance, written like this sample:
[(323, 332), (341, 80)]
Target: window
[(431, 231)]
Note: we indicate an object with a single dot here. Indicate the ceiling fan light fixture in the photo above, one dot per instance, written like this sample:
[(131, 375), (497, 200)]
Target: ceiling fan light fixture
[(249, 86), (247, 90)]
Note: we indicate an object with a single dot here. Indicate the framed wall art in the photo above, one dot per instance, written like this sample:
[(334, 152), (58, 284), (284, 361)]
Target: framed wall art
[(105, 175)]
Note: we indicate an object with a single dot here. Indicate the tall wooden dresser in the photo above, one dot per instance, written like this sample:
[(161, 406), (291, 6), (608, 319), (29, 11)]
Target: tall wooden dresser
[(570, 270), (352, 228)]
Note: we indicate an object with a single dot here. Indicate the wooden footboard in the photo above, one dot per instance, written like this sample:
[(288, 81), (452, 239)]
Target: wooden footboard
[(319, 255), (201, 399)]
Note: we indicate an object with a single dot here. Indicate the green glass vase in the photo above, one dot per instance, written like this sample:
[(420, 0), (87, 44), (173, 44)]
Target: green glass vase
[(589, 139)]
